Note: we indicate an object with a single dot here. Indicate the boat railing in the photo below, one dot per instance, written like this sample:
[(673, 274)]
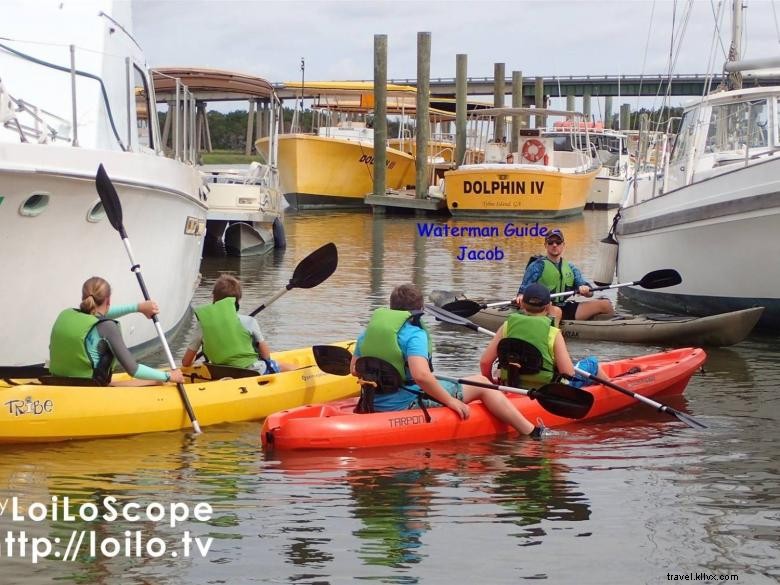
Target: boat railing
[(32, 123), (180, 122), (41, 133), (127, 105)]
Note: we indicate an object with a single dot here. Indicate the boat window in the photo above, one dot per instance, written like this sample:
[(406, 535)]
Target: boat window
[(96, 212), (685, 137), (562, 143), (142, 109), (34, 204), (736, 126), (776, 116)]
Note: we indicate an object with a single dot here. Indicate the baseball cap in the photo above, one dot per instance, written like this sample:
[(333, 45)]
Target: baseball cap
[(536, 295), (553, 233)]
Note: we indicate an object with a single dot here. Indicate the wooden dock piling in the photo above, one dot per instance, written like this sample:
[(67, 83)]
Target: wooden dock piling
[(380, 114)]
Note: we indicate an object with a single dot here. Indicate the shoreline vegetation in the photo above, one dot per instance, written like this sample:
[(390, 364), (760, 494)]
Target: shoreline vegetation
[(237, 157)]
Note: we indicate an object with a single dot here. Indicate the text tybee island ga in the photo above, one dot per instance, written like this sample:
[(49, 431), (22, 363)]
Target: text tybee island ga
[(495, 253)]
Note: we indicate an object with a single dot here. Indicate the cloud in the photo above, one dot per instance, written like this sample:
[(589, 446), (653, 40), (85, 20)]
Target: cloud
[(336, 38)]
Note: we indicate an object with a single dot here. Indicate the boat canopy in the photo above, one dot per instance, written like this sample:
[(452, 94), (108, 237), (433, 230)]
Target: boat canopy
[(210, 84)]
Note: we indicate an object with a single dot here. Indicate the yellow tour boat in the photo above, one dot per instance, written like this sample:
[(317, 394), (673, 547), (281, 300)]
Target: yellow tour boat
[(33, 410), (544, 177), (333, 166)]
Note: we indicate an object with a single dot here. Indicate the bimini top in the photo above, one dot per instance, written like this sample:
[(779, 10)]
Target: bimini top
[(210, 84), (347, 87), (358, 96)]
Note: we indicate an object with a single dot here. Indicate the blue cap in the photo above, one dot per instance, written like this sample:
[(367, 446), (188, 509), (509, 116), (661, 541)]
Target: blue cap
[(536, 295), (555, 232)]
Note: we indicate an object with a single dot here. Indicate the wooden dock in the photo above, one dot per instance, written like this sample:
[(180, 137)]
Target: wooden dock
[(405, 201)]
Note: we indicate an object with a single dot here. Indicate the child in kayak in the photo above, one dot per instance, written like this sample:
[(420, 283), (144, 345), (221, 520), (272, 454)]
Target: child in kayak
[(86, 342), (534, 327), (229, 338), (397, 335)]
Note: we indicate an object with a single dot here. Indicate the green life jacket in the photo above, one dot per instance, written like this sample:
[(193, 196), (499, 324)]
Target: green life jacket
[(68, 354), (557, 279), (381, 338), (225, 340), (539, 332)]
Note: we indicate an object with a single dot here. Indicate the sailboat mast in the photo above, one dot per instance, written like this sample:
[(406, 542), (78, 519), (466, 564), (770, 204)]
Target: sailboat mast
[(735, 50)]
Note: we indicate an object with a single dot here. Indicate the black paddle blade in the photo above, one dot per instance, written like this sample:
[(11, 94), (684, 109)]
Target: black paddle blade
[(316, 267), (110, 200), (688, 420), (444, 315), (332, 359), (463, 308), (563, 400), (660, 279)]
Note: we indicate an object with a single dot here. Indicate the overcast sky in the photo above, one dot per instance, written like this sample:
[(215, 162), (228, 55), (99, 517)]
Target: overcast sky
[(587, 37)]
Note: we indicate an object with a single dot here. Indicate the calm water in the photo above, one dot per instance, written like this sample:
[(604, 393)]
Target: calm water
[(625, 500)]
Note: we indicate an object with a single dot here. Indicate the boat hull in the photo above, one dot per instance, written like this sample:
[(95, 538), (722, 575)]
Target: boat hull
[(53, 246), (708, 227), (248, 239), (41, 413), (607, 192), (335, 426), (499, 190), (243, 209), (319, 172)]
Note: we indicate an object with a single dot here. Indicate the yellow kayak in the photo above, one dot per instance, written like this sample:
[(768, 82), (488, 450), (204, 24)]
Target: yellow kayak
[(31, 411)]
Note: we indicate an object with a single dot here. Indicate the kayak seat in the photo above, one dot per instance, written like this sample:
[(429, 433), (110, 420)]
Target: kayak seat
[(518, 358), (376, 376), (218, 372), (52, 380)]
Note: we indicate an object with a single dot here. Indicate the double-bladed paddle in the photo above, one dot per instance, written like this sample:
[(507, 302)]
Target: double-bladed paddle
[(447, 317), (113, 208), (652, 280), (681, 416), (309, 272), (559, 399)]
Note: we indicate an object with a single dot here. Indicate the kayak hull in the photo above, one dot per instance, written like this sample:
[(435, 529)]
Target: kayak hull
[(32, 412), (713, 331), (335, 426)]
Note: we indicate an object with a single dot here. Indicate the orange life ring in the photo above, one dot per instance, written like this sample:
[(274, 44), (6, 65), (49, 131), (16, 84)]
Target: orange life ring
[(533, 150)]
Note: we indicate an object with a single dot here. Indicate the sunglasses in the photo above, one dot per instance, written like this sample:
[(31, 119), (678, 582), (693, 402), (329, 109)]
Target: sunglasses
[(554, 242)]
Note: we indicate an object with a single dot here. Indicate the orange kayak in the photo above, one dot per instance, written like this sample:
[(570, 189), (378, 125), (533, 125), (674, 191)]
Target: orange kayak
[(336, 426)]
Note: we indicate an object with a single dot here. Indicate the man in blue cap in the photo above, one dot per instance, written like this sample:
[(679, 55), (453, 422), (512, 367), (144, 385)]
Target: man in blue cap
[(559, 275)]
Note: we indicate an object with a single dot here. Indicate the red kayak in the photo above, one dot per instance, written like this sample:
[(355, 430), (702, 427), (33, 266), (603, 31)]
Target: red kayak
[(336, 426)]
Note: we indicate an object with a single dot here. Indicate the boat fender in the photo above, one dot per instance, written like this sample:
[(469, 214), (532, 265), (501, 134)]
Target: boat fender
[(533, 150), (606, 257), (280, 240)]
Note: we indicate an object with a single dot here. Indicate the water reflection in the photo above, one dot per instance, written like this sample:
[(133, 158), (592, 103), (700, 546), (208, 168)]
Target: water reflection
[(393, 508), (400, 495), (158, 469)]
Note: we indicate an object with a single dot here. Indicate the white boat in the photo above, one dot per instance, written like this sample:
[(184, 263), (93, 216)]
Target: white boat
[(611, 148), (76, 93), (713, 212), (246, 206)]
